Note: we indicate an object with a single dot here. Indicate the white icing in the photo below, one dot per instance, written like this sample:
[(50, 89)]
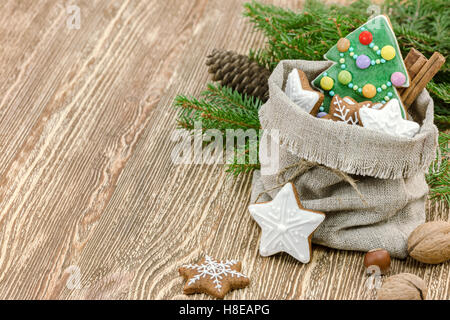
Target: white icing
[(349, 100), (377, 106), (341, 112), (214, 270), (285, 226), (388, 120), (305, 99)]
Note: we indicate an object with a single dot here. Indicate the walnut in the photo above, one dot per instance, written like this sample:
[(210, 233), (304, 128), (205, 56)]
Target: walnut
[(403, 286), (430, 242)]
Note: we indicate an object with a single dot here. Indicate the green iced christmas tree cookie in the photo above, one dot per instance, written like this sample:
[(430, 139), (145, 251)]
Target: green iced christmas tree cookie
[(369, 66)]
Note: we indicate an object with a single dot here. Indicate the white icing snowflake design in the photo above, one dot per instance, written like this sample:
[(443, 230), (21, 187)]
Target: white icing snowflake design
[(343, 112), (214, 270)]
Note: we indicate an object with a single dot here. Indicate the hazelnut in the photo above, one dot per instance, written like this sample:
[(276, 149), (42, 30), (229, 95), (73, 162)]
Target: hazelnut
[(378, 257)]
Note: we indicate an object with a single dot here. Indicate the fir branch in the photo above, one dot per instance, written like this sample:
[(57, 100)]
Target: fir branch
[(237, 169), (442, 122), (440, 91), (222, 108), (242, 163), (438, 177), (232, 98), (219, 108)]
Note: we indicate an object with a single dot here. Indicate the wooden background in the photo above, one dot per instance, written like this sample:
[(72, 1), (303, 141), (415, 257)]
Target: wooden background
[(88, 190)]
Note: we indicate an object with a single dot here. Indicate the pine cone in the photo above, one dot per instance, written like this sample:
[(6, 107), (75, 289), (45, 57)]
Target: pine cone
[(239, 72)]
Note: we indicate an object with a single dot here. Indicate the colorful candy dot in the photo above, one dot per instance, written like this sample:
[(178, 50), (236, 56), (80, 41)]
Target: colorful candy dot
[(378, 89), (355, 87), (344, 77), (359, 90), (390, 94), (343, 44), (375, 48), (398, 79), (372, 62), (343, 66), (363, 61), (389, 84), (369, 91), (388, 52), (362, 28), (351, 54), (386, 98), (350, 85), (321, 114), (321, 108), (355, 56), (371, 45), (342, 60), (378, 52), (326, 83), (365, 37), (325, 74), (383, 86), (377, 61), (331, 93), (383, 61)]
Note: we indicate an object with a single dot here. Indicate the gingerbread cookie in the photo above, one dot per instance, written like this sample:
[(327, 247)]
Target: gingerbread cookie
[(344, 109), (213, 277), (388, 120), (368, 65), (286, 225), (300, 92), (347, 109)]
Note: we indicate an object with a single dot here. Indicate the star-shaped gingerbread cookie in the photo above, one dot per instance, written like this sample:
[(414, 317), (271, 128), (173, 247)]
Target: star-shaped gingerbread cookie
[(286, 225), (213, 277), (300, 92), (389, 120)]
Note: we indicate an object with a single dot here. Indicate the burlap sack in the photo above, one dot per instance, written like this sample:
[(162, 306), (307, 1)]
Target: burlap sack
[(389, 170)]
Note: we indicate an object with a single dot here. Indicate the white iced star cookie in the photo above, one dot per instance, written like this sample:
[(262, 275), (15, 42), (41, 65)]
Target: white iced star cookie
[(286, 225), (388, 120), (300, 92)]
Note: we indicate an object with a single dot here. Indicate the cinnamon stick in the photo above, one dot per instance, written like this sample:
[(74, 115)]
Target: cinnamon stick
[(424, 72), (414, 61)]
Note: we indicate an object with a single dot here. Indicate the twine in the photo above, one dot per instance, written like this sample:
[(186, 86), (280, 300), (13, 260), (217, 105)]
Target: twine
[(303, 166)]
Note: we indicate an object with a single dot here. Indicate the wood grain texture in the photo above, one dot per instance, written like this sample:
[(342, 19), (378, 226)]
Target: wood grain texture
[(87, 184)]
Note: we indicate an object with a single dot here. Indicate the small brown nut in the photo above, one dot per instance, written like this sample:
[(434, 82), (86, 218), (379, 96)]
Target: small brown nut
[(403, 286), (430, 242), (378, 257)]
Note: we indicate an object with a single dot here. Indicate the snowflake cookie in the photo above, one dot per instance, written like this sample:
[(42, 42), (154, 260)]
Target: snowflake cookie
[(213, 277), (286, 225)]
